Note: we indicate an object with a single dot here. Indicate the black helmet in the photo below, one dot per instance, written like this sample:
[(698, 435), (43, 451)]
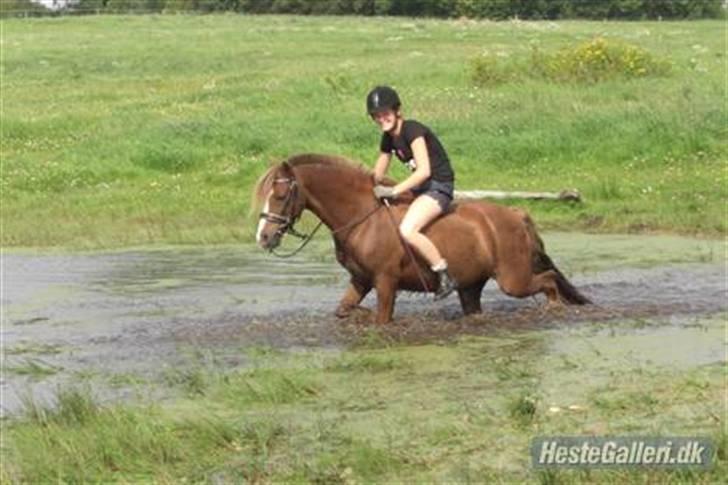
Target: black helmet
[(382, 98)]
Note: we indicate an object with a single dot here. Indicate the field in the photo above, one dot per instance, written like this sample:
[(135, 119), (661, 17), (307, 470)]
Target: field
[(147, 340), (152, 129)]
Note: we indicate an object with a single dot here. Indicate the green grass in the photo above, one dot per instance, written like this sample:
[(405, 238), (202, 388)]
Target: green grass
[(461, 412), (26, 347), (34, 368), (130, 130)]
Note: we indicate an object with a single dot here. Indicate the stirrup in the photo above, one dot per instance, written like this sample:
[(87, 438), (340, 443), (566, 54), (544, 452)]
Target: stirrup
[(447, 285)]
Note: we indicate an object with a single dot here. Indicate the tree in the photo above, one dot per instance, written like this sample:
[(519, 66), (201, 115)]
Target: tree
[(22, 8)]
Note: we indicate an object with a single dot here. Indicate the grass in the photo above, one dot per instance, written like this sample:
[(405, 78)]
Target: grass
[(34, 368), (33, 348), (124, 130), (461, 412)]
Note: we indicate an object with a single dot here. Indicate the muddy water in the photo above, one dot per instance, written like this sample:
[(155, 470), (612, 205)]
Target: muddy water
[(118, 319)]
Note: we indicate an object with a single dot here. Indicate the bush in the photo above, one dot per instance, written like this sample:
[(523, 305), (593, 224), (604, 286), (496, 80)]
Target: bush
[(22, 8), (593, 61), (491, 70), (491, 9), (597, 60)]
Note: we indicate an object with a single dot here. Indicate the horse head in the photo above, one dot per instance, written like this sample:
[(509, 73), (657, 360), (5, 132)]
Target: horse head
[(335, 189), (284, 203)]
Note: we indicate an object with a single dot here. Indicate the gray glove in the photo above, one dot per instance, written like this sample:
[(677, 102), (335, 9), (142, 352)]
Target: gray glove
[(384, 192)]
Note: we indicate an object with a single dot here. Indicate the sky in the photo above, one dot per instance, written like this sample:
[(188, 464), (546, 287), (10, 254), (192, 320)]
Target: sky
[(53, 3)]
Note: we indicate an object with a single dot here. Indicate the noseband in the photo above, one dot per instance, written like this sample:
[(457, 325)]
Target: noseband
[(286, 220)]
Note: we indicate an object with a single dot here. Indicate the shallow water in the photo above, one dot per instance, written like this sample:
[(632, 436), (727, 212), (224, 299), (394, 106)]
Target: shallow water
[(98, 316)]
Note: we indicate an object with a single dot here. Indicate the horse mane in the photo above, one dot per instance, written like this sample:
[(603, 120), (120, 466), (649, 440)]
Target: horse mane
[(265, 182)]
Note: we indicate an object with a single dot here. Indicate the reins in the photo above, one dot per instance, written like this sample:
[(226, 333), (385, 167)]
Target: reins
[(407, 248), (307, 237)]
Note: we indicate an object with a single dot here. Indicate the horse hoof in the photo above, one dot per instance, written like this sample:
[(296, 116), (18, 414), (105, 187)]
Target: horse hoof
[(554, 306), (357, 314), (342, 312)]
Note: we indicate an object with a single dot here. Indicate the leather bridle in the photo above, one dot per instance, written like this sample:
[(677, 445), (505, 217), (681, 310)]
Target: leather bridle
[(286, 219)]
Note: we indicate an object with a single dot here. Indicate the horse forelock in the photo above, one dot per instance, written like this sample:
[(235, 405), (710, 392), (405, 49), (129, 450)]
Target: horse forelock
[(262, 188)]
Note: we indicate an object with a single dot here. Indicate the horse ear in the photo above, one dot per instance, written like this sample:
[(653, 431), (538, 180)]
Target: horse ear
[(286, 168)]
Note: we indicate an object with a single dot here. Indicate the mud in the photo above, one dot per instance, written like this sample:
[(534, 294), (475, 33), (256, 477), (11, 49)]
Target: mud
[(136, 316)]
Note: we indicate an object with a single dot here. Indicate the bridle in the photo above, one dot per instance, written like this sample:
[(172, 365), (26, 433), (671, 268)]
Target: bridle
[(286, 220)]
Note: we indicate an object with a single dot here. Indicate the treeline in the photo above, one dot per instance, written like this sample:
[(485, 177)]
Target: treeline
[(491, 9)]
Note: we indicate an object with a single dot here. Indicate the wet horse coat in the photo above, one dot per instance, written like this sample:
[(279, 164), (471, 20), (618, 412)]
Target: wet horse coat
[(479, 240)]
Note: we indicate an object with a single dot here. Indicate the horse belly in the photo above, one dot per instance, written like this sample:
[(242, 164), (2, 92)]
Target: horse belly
[(461, 238)]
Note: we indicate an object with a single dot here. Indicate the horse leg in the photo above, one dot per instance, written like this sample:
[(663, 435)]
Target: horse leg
[(470, 298), (354, 294), (386, 287), (544, 282)]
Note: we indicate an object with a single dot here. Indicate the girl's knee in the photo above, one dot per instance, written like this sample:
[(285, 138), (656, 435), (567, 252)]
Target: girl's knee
[(407, 231)]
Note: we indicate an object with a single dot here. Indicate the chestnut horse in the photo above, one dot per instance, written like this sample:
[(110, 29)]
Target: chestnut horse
[(479, 240)]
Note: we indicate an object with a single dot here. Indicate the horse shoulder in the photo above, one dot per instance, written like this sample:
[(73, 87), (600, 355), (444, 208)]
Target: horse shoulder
[(370, 246)]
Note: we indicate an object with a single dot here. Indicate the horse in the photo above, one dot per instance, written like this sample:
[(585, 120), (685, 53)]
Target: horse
[(479, 240)]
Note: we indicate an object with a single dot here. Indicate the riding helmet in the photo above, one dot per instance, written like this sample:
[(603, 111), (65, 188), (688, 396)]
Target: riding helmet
[(382, 98)]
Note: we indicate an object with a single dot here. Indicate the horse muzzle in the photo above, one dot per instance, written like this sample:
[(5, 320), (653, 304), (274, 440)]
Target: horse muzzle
[(270, 241)]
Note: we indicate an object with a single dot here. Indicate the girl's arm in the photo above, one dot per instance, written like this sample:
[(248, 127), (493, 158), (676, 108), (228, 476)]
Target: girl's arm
[(422, 172), (381, 166)]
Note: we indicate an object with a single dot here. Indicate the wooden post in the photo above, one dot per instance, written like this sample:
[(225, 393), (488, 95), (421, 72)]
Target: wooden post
[(571, 195)]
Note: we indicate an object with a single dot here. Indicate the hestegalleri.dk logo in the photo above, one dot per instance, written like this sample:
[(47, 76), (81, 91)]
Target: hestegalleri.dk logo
[(620, 451)]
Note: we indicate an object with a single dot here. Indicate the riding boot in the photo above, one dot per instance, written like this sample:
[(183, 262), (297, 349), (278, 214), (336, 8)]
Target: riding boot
[(447, 284)]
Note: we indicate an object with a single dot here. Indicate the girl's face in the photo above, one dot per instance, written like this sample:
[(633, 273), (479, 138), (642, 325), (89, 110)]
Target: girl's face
[(387, 120)]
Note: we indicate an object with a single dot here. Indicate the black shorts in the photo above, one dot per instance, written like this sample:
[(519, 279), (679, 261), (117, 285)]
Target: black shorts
[(442, 192)]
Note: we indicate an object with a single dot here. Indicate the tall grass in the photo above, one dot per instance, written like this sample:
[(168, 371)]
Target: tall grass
[(123, 130)]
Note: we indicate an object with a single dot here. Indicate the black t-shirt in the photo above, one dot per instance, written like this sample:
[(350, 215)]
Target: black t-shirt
[(440, 168)]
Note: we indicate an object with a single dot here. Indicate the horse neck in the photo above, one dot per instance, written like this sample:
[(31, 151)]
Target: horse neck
[(336, 195)]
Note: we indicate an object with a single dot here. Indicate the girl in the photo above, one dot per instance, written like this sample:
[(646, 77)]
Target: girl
[(431, 180)]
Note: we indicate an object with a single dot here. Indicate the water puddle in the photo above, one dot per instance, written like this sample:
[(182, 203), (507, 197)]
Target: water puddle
[(677, 342), (582, 363), (131, 315)]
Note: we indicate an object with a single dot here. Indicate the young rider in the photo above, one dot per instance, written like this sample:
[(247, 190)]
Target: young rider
[(431, 180)]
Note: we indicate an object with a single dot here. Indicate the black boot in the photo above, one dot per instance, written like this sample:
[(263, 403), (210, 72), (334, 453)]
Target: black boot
[(447, 285)]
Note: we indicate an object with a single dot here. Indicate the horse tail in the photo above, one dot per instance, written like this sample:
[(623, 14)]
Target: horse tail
[(542, 262)]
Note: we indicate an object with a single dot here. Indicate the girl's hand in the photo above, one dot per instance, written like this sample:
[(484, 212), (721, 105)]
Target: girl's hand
[(384, 192)]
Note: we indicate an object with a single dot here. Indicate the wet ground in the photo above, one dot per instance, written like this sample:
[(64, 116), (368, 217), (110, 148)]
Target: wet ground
[(118, 319)]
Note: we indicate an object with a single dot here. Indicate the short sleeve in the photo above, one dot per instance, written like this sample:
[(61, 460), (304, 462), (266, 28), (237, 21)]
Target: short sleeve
[(413, 130), (385, 145)]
